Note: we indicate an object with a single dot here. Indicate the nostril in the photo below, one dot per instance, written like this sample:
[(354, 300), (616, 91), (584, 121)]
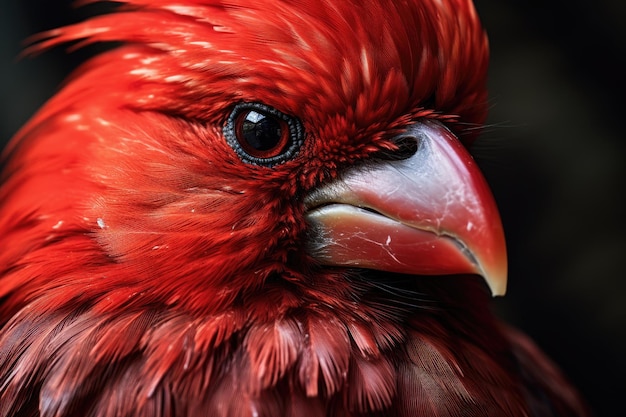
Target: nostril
[(407, 146)]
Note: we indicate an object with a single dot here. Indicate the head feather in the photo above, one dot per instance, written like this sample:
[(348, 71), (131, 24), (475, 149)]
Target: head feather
[(325, 56)]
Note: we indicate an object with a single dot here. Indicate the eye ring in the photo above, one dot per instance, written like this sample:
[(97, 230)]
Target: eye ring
[(262, 135)]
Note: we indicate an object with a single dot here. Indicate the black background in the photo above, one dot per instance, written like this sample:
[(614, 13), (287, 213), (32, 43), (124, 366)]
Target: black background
[(554, 154)]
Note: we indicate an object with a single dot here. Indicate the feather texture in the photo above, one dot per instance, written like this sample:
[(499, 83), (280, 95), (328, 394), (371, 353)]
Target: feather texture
[(146, 271)]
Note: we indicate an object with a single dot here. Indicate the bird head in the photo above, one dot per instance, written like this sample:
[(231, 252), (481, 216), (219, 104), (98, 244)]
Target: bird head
[(233, 145)]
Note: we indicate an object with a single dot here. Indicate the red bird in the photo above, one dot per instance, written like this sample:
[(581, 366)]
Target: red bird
[(262, 208)]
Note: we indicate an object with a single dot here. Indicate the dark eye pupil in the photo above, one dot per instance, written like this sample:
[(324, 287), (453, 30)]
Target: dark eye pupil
[(260, 131), (262, 135)]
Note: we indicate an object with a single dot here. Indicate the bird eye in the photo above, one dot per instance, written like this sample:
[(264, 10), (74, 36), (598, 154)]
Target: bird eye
[(261, 135)]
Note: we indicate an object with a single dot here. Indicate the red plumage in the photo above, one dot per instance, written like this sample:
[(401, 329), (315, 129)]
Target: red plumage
[(147, 270)]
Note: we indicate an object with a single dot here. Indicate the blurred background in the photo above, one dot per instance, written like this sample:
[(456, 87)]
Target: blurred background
[(554, 153)]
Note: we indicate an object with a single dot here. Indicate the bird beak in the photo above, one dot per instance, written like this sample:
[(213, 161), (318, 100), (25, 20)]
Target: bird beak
[(429, 214)]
